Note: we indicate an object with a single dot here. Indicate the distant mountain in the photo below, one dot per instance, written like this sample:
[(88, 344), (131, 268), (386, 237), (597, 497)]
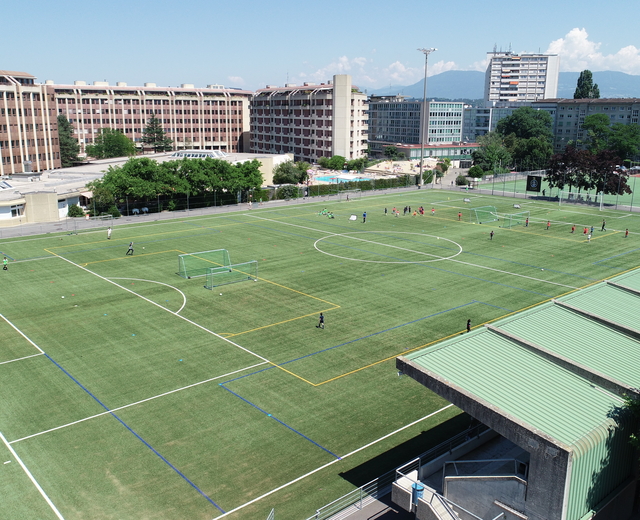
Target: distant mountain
[(469, 84)]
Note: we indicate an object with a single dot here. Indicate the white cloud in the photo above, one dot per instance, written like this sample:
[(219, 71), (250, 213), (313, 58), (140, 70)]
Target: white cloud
[(236, 80), (578, 53)]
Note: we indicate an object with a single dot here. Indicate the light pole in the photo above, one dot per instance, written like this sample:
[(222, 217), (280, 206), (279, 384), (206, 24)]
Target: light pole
[(424, 112)]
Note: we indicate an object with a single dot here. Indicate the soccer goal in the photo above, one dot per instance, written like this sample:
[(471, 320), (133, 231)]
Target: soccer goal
[(350, 195), (484, 214), (191, 265), (515, 219), (244, 272)]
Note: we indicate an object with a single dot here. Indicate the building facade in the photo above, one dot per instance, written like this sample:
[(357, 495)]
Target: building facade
[(395, 120), (515, 78), (572, 112), (28, 125), (212, 118), (310, 121)]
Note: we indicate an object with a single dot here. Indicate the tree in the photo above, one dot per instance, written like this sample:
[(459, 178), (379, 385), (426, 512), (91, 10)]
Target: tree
[(624, 140), (154, 136), (526, 123), (391, 152), (336, 162), (111, 143), (442, 167), (69, 147), (586, 88), (598, 132), (286, 173), (476, 172), (75, 211), (493, 154)]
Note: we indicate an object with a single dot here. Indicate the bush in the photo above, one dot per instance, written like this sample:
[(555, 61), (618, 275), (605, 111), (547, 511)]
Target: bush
[(427, 176), (461, 180), (113, 211), (288, 192), (75, 211)]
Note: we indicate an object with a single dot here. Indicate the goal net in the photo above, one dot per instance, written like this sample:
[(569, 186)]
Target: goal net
[(217, 276), (191, 265), (515, 219), (350, 194), (484, 214)]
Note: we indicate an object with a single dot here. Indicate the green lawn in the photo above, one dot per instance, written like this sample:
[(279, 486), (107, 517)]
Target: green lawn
[(141, 394)]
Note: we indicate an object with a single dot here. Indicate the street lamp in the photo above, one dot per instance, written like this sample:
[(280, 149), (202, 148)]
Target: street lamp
[(424, 112)]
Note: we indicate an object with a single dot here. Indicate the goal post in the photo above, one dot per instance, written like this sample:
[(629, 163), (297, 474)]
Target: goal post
[(484, 214), (192, 265), (515, 219), (224, 275)]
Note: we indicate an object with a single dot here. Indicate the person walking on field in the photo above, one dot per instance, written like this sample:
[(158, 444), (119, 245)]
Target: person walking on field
[(468, 325), (109, 234), (491, 235), (589, 237), (548, 224), (5, 267), (364, 217), (526, 222), (573, 228), (604, 223), (433, 211), (130, 250), (626, 233), (320, 324), (459, 215)]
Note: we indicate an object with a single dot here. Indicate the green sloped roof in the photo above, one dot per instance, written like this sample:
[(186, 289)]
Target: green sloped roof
[(631, 279), (608, 302), (521, 383), (579, 339)]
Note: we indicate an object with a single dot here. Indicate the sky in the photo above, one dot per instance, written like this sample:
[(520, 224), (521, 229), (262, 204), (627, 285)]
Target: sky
[(249, 44)]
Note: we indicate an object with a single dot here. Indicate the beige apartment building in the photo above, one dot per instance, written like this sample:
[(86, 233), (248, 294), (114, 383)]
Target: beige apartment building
[(310, 121), (28, 125), (212, 118)]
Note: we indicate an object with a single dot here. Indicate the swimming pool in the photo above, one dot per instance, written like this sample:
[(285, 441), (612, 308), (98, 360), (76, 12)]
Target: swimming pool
[(335, 179)]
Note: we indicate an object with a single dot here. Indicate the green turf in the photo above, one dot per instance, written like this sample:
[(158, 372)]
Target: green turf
[(238, 395)]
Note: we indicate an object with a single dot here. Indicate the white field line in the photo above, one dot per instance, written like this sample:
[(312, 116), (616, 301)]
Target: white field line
[(426, 254), (184, 297), (138, 402), (197, 325), (20, 359), (35, 483), (332, 462), (21, 333)]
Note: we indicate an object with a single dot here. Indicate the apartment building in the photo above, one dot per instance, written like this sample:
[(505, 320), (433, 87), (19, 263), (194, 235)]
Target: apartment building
[(28, 125), (212, 118), (515, 78), (395, 120), (571, 113), (310, 121)]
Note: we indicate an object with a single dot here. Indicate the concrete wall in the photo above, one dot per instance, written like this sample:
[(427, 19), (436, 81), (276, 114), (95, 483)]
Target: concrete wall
[(549, 464), (341, 115), (41, 206)]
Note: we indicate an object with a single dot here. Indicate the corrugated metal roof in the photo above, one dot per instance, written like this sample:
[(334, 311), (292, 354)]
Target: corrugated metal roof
[(519, 382), (608, 302), (631, 280), (580, 339)]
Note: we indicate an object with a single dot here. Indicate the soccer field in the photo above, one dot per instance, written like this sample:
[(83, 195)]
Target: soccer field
[(130, 392)]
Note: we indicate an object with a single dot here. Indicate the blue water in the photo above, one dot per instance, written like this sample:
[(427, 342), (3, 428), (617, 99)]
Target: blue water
[(329, 178)]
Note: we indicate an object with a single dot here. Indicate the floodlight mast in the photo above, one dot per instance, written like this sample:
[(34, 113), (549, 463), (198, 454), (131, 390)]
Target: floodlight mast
[(424, 113)]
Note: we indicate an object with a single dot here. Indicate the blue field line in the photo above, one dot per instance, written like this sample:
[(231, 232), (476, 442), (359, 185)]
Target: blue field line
[(281, 422), (136, 434), (616, 256), (8, 257)]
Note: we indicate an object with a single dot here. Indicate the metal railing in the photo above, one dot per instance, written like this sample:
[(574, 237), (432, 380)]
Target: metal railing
[(381, 486)]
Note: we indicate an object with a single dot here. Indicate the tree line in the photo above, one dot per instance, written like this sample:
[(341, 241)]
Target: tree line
[(141, 180)]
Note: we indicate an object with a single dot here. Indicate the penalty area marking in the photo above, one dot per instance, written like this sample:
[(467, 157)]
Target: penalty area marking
[(31, 477), (184, 298), (348, 235)]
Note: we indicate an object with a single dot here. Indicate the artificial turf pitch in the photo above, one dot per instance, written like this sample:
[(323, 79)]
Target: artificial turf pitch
[(141, 394)]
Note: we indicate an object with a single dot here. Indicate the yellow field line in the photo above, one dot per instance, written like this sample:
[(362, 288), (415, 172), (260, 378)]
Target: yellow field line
[(232, 334), (607, 235)]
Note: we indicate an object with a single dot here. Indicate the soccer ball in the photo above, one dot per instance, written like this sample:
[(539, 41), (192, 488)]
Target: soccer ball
[(63, 296), (220, 294), (143, 248)]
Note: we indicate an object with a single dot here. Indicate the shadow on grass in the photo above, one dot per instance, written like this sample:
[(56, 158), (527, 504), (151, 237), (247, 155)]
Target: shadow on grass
[(406, 451)]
